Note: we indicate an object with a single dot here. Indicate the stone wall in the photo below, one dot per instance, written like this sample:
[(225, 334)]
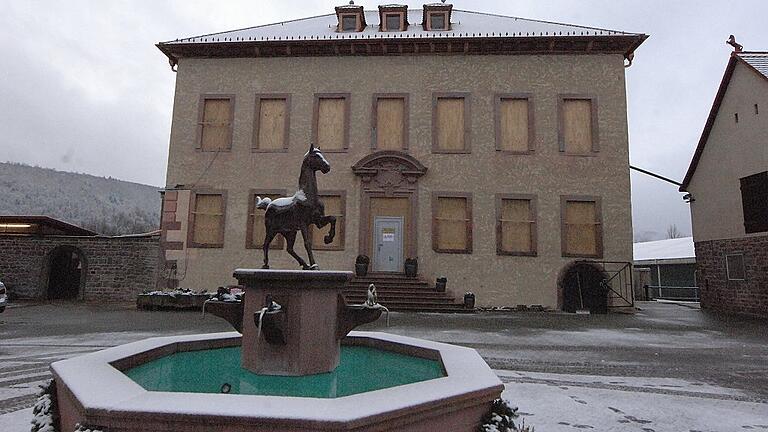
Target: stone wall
[(749, 296), (114, 268)]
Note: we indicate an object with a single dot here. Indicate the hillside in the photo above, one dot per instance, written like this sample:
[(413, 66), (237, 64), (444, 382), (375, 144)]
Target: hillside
[(105, 205)]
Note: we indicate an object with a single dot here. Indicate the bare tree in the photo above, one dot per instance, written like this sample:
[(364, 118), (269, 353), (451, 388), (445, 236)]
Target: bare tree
[(673, 232)]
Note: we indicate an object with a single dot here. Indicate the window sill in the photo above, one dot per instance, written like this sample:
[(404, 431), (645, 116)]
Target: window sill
[(454, 251), (518, 254), (205, 246), (436, 151)]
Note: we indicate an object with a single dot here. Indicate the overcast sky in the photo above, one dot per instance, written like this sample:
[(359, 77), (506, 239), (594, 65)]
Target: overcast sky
[(82, 87)]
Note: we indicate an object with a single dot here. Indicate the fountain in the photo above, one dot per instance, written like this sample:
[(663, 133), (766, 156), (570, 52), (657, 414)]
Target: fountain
[(294, 363)]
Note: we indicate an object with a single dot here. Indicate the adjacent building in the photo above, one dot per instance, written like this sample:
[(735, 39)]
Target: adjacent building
[(727, 183), (671, 268), (493, 149)]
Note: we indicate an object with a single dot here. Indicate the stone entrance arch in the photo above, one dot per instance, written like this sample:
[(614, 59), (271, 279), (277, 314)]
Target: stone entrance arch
[(66, 270), (580, 286), (389, 176)]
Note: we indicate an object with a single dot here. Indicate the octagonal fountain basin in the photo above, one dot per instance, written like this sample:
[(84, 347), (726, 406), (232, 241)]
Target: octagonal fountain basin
[(383, 382)]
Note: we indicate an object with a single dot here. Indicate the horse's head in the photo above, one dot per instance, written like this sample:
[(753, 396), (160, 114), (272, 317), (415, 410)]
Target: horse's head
[(315, 160)]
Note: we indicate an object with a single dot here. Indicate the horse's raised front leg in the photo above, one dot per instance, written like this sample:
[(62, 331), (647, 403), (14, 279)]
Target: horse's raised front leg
[(308, 247), (267, 240), (290, 240), (323, 221)]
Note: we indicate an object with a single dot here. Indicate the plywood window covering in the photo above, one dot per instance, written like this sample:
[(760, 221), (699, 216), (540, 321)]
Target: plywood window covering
[(582, 227), (514, 123), (349, 23), (437, 21), (331, 122), (734, 266), (754, 202), (390, 122), (450, 123), (452, 223), (393, 21), (271, 123), (516, 225), (334, 203), (215, 120), (255, 231), (207, 220), (578, 125)]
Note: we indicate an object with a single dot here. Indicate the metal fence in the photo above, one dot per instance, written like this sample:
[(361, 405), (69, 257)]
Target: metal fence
[(672, 293)]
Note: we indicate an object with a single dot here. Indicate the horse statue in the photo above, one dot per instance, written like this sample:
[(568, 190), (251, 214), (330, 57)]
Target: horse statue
[(287, 215)]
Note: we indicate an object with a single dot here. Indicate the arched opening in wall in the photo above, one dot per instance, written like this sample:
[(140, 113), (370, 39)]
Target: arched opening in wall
[(581, 287), (66, 273)]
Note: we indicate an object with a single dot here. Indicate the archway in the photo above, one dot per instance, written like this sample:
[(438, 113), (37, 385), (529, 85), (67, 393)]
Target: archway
[(66, 273), (581, 287)]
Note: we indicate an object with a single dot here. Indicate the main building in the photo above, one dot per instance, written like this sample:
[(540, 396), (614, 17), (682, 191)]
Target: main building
[(493, 149)]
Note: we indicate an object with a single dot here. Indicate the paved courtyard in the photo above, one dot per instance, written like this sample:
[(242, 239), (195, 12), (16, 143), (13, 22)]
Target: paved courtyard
[(667, 368)]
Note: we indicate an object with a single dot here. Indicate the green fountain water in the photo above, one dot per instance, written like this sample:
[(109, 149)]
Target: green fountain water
[(361, 369)]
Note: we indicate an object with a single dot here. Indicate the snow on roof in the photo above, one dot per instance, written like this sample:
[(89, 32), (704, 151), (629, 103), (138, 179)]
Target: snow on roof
[(758, 60), (465, 24), (679, 249)]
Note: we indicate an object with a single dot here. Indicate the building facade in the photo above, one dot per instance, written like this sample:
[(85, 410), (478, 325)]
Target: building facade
[(492, 149), (728, 186)]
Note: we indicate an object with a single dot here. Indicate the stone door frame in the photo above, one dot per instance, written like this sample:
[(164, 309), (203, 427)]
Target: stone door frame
[(388, 174)]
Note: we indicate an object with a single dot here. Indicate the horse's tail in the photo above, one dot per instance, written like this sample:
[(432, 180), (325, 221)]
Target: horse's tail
[(262, 203)]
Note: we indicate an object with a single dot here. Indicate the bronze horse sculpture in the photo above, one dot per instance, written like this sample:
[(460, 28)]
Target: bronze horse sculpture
[(288, 215)]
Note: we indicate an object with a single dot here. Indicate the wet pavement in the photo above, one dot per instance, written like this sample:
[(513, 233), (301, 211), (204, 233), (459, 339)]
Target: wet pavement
[(667, 367)]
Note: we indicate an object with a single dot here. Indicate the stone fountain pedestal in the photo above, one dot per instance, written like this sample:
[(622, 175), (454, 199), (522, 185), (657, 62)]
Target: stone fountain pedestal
[(303, 336)]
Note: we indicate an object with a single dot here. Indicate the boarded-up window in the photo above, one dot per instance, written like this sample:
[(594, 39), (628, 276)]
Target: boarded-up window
[(577, 126), (450, 126), (391, 123), (582, 229), (334, 205), (734, 266), (215, 126), (208, 220), (513, 125), (256, 230), (452, 224), (271, 129), (516, 226), (754, 201), (331, 123)]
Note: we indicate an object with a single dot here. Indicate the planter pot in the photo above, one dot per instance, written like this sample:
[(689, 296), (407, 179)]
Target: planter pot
[(411, 268), (440, 284), (361, 270)]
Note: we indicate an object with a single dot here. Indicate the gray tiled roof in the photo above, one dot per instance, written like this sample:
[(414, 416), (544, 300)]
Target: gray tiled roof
[(758, 60), (464, 24)]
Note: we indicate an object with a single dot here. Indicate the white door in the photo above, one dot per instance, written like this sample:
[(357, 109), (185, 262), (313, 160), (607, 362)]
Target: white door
[(388, 244)]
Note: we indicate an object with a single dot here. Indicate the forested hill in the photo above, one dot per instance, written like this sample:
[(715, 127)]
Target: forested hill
[(103, 205)]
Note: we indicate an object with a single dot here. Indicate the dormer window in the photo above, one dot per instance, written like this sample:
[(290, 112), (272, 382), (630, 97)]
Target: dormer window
[(393, 18), (351, 18), (437, 17)]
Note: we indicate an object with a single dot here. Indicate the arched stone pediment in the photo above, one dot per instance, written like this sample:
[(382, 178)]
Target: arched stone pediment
[(389, 171)]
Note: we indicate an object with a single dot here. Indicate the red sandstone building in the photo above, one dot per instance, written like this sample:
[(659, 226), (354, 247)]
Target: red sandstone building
[(727, 184)]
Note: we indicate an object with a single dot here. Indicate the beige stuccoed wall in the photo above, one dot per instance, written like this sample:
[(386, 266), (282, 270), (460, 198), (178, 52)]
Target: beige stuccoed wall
[(732, 152), (497, 280)]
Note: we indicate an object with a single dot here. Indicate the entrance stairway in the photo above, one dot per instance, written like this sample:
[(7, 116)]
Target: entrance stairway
[(400, 293)]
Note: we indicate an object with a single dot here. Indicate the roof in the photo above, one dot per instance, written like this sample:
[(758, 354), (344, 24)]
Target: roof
[(756, 61), (680, 250), (19, 224), (465, 25)]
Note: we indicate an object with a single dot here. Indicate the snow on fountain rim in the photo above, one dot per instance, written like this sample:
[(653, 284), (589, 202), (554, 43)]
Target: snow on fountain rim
[(98, 386)]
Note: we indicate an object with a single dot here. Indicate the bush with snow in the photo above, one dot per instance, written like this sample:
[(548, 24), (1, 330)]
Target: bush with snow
[(81, 428), (502, 417), (46, 412)]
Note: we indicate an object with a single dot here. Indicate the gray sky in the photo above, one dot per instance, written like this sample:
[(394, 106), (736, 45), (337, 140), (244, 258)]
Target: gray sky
[(84, 89)]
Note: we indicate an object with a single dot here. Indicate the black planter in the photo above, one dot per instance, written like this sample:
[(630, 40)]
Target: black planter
[(361, 270), (440, 284), (411, 267), (469, 300)]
